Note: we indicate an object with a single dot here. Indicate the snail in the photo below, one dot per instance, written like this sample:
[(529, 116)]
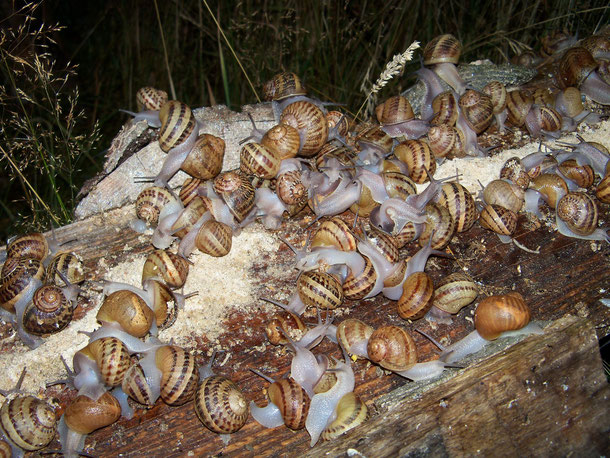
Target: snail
[(577, 216), (167, 266), (419, 159), (443, 52), (311, 124), (128, 311), (149, 101), (458, 200), (577, 68), (397, 119), (153, 204), (451, 294), (49, 311), (286, 321), (353, 335), (477, 108), (350, 412), (416, 298), (497, 93), (495, 317)]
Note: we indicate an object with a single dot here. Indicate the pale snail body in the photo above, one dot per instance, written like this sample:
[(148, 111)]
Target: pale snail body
[(578, 68), (577, 216), (28, 422)]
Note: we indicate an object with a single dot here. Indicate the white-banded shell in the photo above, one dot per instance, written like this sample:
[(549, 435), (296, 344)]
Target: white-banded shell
[(28, 421), (220, 405), (454, 292)]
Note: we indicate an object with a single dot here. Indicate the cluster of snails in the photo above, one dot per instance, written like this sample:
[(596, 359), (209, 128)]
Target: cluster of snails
[(38, 291)]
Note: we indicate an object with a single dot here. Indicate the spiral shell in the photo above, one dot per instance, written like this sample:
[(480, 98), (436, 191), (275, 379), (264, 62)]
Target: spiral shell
[(338, 121), (283, 85), (292, 400), (442, 139), (496, 314), (358, 287), (290, 189), (128, 310), (180, 375), (496, 91), (289, 323), (237, 192), (283, 140), (189, 216), (28, 421), (582, 175), (460, 203), (33, 245), (575, 66), (351, 412), (311, 123), (398, 185), (418, 157), (319, 289), (151, 201), (579, 211), (136, 386), (49, 311), (70, 266), (498, 219), (376, 137), (335, 233), (167, 266), (416, 298), (518, 105), (552, 186), (177, 124), (165, 305), (445, 107), (454, 292), (353, 335), (394, 110), (478, 109), (505, 194), (189, 190), (514, 170), (220, 405), (84, 415), (205, 159), (112, 359), (214, 238), (385, 244), (258, 160), (603, 190), (439, 225), (149, 98), (20, 277), (392, 348), (443, 48)]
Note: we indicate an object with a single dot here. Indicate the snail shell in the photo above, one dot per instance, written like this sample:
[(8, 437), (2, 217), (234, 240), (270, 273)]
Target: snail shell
[(290, 189), (552, 186), (214, 238), (188, 190), (444, 48), (460, 203), (282, 86), (442, 139), (136, 386), (237, 192), (33, 245), (478, 109), (518, 105), (353, 335), (454, 292), (351, 412), (514, 170), (385, 244), (392, 348), (189, 216), (289, 323), (376, 137), (418, 157), (358, 287), (49, 311), (319, 289), (394, 110), (445, 105), (497, 314), (292, 400), (177, 124), (180, 375), (498, 219), (20, 277), (220, 405), (168, 266), (496, 91), (505, 194), (112, 359), (416, 298), (149, 98), (603, 190), (28, 421), (70, 266), (258, 160), (151, 201), (579, 211), (129, 310), (398, 185), (205, 159), (334, 233), (164, 303), (439, 225), (582, 175), (311, 123), (84, 415), (575, 66), (339, 122), (283, 140)]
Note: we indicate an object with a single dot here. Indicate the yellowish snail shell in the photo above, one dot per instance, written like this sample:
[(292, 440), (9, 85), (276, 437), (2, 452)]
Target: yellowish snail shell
[(112, 359), (258, 160), (353, 336), (603, 190), (220, 405), (289, 323), (351, 412), (504, 194), (445, 105), (28, 422), (136, 387), (283, 140), (418, 157), (319, 289), (214, 238), (454, 292), (151, 201), (167, 266), (460, 203), (69, 264), (478, 109), (177, 124), (394, 110), (582, 175), (514, 171), (416, 298), (358, 287), (149, 98), (84, 415), (20, 277), (311, 123), (283, 85), (180, 374), (237, 193), (552, 186), (128, 310), (439, 225), (579, 211), (498, 219)]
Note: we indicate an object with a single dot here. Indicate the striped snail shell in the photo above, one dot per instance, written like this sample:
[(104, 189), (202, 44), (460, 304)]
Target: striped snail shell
[(290, 189), (344, 155), (353, 335), (445, 105), (575, 66), (498, 219), (454, 292), (283, 85), (220, 405), (358, 287), (167, 266), (443, 48), (136, 386), (189, 190), (283, 140), (478, 109), (28, 422), (394, 110), (84, 415), (541, 119), (518, 104), (205, 159), (189, 216), (505, 194), (151, 201), (339, 122), (164, 302), (497, 314), (292, 400), (311, 123), (20, 277), (177, 124), (392, 348), (365, 204), (319, 289), (496, 91), (603, 190), (149, 98), (236, 191), (439, 225), (374, 136), (214, 238), (5, 449), (180, 374), (112, 359), (416, 298), (460, 203), (579, 211), (258, 160), (418, 157), (514, 170), (49, 311), (385, 244), (551, 186), (442, 139), (351, 412), (289, 322), (597, 45), (33, 245), (70, 266), (398, 185), (128, 310), (582, 175)]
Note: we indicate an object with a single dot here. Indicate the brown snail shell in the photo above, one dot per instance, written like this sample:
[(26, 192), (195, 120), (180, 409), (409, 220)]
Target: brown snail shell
[(418, 157), (454, 292), (283, 140), (514, 171), (136, 386), (205, 159), (385, 244), (214, 238), (287, 321), (311, 123), (49, 311), (518, 105), (358, 287), (497, 314), (112, 359), (149, 98), (442, 139), (180, 374), (339, 121), (237, 192), (189, 216), (258, 160), (416, 298), (28, 422), (33, 245), (496, 91), (460, 203), (582, 175), (290, 189), (177, 124), (292, 400), (394, 110), (70, 266), (392, 348), (164, 304), (188, 190), (351, 412), (552, 186), (335, 233), (151, 201), (579, 211), (439, 225), (445, 105), (129, 310), (84, 415), (603, 190), (478, 109), (505, 194), (19, 277), (319, 289), (167, 266), (220, 405), (498, 219), (353, 332), (443, 48), (283, 85), (398, 185), (375, 136), (575, 66)]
